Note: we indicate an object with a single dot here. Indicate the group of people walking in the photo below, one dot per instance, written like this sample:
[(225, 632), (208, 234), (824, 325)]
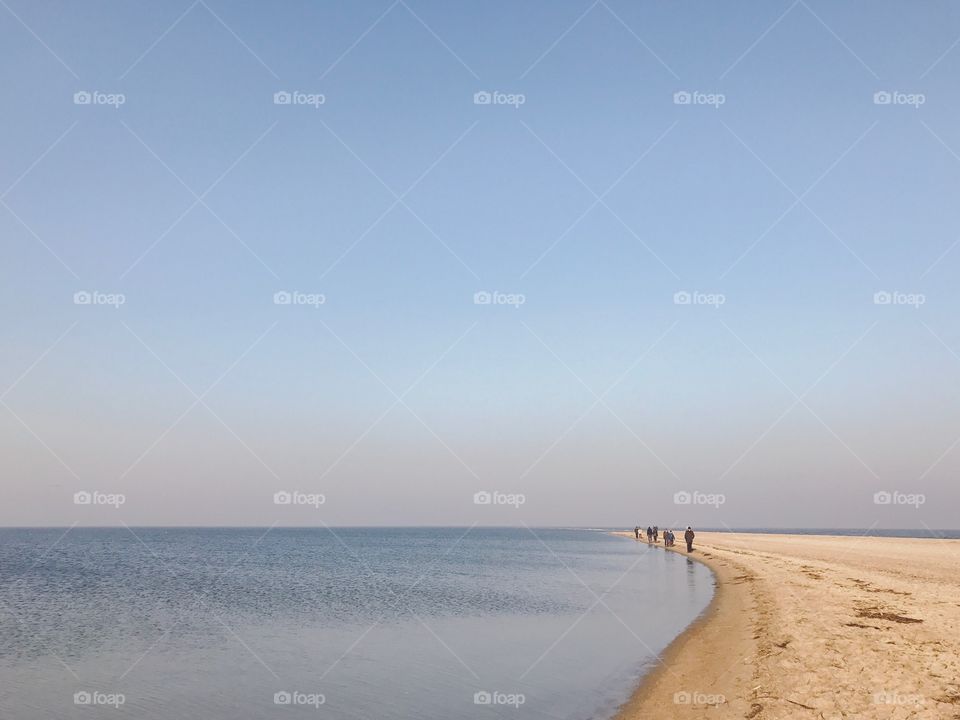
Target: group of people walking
[(669, 539)]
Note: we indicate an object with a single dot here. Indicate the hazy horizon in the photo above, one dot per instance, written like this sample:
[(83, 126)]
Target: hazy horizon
[(412, 264), (921, 532)]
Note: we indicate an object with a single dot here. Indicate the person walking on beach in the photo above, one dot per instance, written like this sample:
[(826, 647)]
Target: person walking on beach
[(656, 534), (688, 536), (636, 532), (649, 534)]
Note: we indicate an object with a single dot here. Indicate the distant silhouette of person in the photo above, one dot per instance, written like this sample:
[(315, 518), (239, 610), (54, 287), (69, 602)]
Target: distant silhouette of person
[(636, 532), (649, 534), (656, 533), (688, 536)]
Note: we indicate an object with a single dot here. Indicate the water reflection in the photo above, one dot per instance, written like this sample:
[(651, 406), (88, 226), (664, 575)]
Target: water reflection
[(386, 623)]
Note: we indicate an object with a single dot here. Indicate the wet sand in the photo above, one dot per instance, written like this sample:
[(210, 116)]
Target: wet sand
[(806, 626)]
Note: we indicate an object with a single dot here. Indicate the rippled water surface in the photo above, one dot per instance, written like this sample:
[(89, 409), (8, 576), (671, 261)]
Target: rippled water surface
[(343, 623)]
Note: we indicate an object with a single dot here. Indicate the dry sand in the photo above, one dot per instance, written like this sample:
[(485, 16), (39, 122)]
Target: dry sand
[(807, 626)]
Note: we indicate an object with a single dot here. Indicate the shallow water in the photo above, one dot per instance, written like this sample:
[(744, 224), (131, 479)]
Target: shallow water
[(343, 623)]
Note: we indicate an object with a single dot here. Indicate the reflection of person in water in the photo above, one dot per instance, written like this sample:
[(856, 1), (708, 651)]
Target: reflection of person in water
[(688, 536)]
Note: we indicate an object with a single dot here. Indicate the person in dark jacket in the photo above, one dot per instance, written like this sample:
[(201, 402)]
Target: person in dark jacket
[(636, 532), (688, 536)]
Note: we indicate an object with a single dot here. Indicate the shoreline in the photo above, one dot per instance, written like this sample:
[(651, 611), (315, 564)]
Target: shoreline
[(685, 665), (804, 626)]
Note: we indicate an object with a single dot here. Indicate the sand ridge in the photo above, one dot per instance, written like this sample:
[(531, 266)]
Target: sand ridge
[(816, 626)]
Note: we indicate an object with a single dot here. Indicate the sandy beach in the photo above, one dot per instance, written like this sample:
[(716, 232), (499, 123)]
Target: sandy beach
[(806, 626)]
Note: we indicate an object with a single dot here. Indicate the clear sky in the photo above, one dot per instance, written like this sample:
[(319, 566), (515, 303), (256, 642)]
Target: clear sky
[(737, 152)]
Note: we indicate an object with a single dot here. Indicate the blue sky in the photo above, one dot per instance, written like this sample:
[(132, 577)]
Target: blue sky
[(398, 198)]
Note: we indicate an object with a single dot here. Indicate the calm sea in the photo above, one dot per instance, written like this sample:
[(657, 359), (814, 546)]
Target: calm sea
[(343, 623)]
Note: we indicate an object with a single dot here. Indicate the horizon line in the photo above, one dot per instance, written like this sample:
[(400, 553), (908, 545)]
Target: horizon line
[(705, 528)]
